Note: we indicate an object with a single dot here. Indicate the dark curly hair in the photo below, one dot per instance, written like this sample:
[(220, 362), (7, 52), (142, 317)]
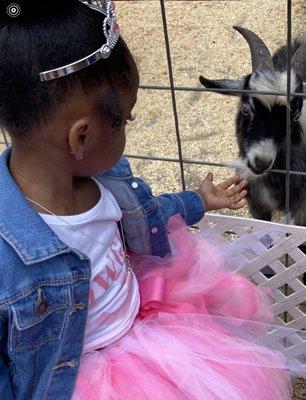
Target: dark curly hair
[(45, 35)]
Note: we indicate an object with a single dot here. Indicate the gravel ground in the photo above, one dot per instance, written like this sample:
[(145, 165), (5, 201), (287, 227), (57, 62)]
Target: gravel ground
[(202, 42)]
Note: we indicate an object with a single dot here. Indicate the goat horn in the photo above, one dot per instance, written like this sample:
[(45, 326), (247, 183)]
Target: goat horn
[(299, 61), (261, 56)]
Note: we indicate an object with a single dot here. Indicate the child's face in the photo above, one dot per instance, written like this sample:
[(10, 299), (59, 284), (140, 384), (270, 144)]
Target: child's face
[(102, 141)]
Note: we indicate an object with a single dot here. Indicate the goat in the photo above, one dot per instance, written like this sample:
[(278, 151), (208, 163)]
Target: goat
[(261, 128)]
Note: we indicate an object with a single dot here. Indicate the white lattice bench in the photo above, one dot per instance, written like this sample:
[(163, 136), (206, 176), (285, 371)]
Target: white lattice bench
[(279, 252)]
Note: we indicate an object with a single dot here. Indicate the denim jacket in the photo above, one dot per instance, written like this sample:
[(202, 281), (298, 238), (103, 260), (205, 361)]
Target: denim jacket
[(45, 283)]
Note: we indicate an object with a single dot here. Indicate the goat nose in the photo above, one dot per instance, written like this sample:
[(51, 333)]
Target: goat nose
[(262, 164)]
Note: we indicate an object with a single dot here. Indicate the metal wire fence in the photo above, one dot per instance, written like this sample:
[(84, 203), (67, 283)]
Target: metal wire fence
[(181, 160), (174, 89)]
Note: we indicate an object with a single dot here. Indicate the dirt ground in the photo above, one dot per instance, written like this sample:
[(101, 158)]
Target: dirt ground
[(202, 42)]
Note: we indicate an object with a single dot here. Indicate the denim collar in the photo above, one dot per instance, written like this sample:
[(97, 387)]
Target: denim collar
[(20, 225)]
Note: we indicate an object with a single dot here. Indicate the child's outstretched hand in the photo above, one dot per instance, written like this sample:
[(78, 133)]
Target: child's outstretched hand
[(227, 194)]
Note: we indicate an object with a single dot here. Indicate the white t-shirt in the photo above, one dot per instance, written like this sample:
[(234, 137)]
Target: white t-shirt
[(114, 298)]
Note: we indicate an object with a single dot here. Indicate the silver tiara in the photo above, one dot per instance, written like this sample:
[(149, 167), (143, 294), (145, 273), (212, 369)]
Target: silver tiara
[(111, 32)]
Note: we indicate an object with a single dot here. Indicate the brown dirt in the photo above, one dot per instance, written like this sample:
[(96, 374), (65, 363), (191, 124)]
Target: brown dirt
[(202, 41)]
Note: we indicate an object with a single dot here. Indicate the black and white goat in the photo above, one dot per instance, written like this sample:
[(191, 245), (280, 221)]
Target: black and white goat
[(261, 128)]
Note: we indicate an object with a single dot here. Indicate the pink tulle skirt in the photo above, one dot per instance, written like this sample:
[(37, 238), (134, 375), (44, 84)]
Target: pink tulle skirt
[(199, 333)]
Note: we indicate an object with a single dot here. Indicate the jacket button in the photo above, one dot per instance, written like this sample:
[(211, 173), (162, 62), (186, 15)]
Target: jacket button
[(154, 230), (134, 185), (42, 307)]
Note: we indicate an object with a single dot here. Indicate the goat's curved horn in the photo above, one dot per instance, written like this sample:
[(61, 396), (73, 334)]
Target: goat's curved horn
[(298, 61), (261, 56), (229, 84)]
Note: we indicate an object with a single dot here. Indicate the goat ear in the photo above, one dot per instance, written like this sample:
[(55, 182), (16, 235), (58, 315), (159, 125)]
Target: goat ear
[(228, 84)]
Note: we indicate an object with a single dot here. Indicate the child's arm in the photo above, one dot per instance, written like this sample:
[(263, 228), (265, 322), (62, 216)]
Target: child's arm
[(132, 192), (189, 204), (6, 391), (192, 205), (145, 216)]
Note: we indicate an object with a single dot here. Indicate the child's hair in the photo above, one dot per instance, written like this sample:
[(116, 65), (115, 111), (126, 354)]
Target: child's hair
[(49, 34)]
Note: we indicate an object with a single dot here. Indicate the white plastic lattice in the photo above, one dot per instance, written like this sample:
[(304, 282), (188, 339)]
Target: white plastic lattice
[(273, 259)]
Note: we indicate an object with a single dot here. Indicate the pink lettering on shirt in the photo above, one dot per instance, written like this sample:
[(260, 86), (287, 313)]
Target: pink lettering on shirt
[(110, 272), (101, 282)]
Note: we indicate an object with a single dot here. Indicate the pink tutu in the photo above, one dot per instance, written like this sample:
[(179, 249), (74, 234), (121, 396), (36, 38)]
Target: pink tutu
[(199, 333)]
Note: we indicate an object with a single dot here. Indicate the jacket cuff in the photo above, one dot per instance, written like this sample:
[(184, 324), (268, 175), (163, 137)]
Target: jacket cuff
[(193, 206)]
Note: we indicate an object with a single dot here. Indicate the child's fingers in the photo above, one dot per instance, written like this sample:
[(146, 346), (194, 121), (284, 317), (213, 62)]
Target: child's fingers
[(237, 188), (229, 182), (240, 196), (210, 176), (236, 206)]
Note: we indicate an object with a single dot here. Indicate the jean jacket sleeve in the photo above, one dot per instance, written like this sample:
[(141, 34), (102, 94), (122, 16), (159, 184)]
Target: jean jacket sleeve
[(145, 216), (6, 391), (188, 204)]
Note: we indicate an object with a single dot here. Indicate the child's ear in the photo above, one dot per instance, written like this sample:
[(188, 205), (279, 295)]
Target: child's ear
[(78, 138)]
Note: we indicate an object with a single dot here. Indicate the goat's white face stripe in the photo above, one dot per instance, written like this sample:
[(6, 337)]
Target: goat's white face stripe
[(272, 83), (265, 150)]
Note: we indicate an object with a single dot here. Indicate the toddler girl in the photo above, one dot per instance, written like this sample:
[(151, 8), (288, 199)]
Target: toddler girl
[(82, 315)]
